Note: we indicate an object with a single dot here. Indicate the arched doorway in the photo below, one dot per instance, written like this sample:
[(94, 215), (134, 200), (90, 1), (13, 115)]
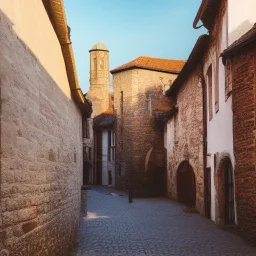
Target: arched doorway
[(225, 207), (229, 193), (186, 184)]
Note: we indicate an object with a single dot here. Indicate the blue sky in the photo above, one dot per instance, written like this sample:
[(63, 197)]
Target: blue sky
[(131, 28)]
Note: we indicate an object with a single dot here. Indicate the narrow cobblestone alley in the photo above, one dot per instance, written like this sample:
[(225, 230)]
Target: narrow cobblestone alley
[(148, 227)]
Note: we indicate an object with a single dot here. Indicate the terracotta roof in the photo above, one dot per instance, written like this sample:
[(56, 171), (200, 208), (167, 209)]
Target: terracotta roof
[(150, 63), (194, 58), (245, 39)]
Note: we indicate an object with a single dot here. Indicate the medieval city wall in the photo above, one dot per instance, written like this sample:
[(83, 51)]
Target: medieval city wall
[(41, 137)]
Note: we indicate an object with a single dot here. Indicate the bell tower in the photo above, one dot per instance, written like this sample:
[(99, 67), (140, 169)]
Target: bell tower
[(99, 78)]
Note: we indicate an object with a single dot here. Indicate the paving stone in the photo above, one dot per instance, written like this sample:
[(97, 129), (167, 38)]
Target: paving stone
[(151, 227)]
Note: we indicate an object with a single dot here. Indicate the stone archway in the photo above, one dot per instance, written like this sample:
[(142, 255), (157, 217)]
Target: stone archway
[(225, 208), (155, 165), (186, 184)]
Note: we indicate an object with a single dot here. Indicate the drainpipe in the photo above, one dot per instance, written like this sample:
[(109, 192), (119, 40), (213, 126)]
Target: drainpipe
[(204, 91)]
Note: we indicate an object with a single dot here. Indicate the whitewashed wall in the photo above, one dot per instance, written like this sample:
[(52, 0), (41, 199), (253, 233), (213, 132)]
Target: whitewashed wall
[(241, 18)]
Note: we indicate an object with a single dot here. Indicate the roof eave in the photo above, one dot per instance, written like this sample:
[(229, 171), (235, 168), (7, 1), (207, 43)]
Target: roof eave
[(114, 71), (240, 43), (189, 66), (206, 13), (57, 15), (102, 50), (199, 13)]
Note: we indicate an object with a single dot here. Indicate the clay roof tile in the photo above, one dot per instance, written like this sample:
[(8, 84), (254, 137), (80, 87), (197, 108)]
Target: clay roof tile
[(157, 64)]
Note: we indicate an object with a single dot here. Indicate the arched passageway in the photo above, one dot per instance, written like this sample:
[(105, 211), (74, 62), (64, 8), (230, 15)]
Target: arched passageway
[(186, 184)]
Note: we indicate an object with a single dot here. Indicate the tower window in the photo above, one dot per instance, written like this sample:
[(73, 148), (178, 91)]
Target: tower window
[(95, 64), (122, 102), (101, 64)]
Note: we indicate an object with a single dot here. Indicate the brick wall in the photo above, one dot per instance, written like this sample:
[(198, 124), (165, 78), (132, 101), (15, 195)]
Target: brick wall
[(184, 139), (244, 110), (136, 134), (41, 137)]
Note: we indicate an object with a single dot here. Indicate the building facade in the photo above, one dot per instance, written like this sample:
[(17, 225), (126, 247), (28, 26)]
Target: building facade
[(239, 60), (42, 108), (138, 89), (228, 124), (184, 133), (225, 24)]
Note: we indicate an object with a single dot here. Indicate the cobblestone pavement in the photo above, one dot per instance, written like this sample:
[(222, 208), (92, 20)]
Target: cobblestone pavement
[(150, 227)]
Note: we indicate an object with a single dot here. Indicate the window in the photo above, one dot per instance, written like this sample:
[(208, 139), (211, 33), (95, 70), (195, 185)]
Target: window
[(122, 103), (95, 67), (149, 105), (90, 154), (209, 83), (111, 146), (228, 80), (101, 64), (94, 63), (176, 128), (86, 132), (216, 87)]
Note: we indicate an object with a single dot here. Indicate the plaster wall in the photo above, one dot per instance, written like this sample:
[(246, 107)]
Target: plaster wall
[(241, 18), (220, 127)]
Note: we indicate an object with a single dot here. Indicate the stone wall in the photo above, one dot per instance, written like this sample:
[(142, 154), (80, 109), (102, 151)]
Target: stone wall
[(243, 67), (142, 94), (184, 137), (41, 137)]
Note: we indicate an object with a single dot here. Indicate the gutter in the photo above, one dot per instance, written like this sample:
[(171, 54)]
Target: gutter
[(199, 14), (206, 13), (57, 15)]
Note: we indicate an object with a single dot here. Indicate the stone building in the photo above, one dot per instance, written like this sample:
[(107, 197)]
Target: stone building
[(99, 78), (225, 23), (218, 186), (239, 59), (184, 133), (42, 108), (138, 88)]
